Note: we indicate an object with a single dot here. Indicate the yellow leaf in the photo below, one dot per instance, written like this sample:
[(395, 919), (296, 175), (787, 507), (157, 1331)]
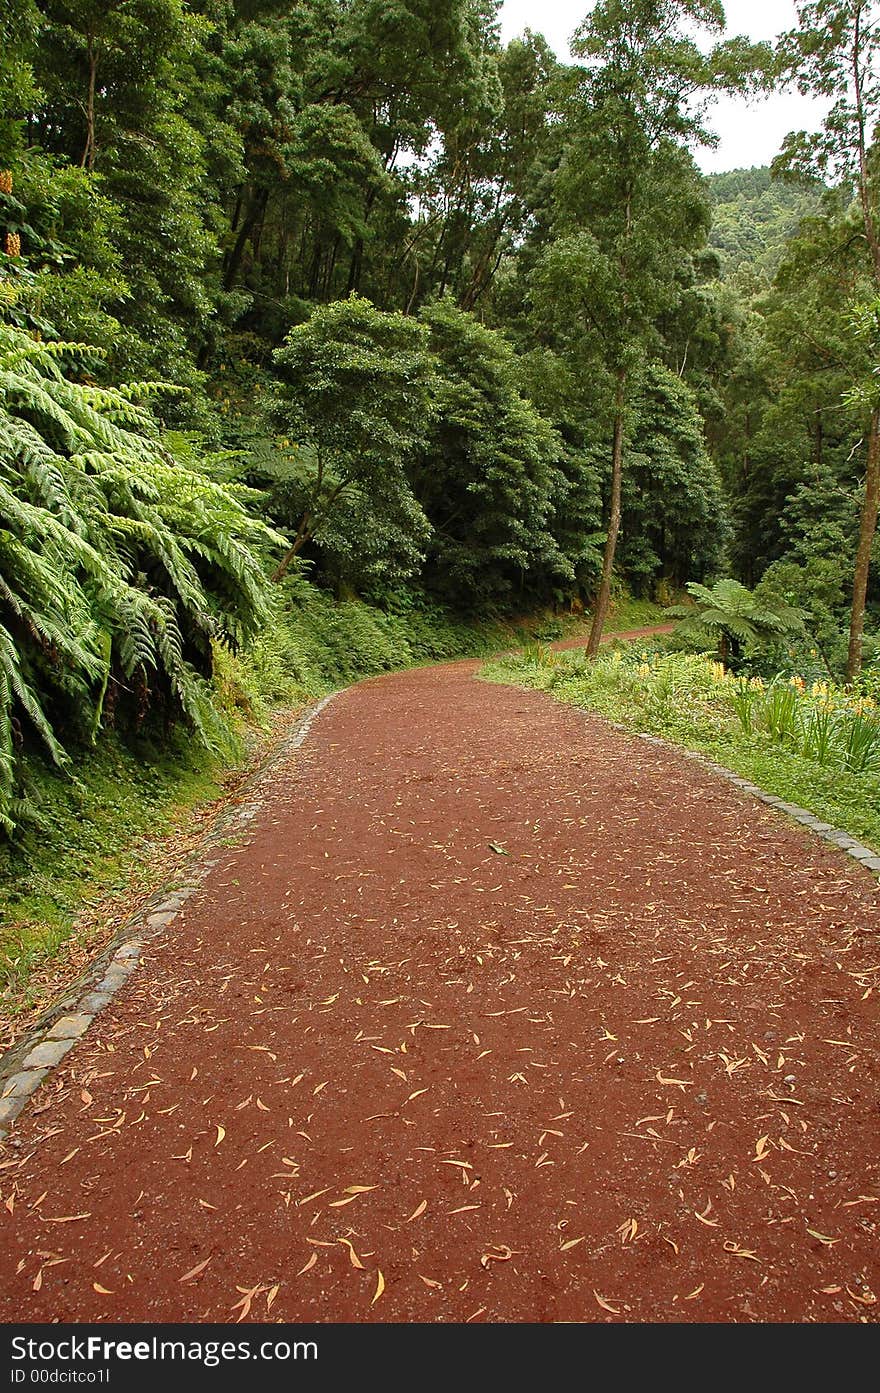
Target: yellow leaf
[(221, 1133), (102, 1291), (606, 1305), (380, 1287), (823, 1238), (194, 1271), (311, 1262), (355, 1260)]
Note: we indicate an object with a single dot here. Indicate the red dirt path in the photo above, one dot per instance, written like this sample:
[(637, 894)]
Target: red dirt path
[(537, 1021)]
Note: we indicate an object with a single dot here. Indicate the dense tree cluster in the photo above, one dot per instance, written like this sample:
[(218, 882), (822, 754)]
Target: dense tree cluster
[(468, 318)]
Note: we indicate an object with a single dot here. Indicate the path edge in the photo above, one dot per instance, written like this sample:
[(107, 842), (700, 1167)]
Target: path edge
[(28, 1063), (864, 855)]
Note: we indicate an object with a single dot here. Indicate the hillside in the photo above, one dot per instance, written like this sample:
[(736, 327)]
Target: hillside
[(754, 215)]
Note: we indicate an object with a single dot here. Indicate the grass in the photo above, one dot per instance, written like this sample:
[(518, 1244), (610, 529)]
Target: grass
[(689, 701), (97, 839)]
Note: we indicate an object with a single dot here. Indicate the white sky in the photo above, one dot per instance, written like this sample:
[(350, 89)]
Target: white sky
[(751, 133)]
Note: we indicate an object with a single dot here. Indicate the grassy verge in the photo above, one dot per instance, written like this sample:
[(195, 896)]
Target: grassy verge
[(68, 880), (688, 701)]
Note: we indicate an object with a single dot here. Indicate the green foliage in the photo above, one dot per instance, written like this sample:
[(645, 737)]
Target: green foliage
[(732, 619), (119, 565), (674, 511), (754, 216), (489, 478), (354, 391), (88, 838)]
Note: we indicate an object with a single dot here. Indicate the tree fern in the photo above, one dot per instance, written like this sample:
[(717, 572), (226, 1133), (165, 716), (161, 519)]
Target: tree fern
[(729, 615), (119, 563)]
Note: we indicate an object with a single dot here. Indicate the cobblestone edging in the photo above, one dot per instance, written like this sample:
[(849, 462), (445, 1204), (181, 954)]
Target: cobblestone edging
[(863, 854), (23, 1068)]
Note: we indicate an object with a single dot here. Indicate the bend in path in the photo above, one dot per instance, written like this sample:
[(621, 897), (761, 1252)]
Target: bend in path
[(534, 1020)]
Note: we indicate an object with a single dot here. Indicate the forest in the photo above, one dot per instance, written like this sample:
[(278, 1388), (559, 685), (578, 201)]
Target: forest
[(334, 313)]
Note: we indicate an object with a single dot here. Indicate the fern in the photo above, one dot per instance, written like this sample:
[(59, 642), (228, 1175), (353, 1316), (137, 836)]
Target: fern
[(729, 614), (119, 562)]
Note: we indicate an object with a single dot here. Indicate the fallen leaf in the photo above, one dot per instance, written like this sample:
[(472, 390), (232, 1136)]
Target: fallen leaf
[(194, 1271), (221, 1133), (380, 1287), (869, 1299), (418, 1211), (823, 1238), (504, 1254), (606, 1305), (246, 1301), (353, 1257), (311, 1262), (738, 1252)]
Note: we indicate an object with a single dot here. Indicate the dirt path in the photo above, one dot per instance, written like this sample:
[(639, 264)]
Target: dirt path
[(534, 1020)]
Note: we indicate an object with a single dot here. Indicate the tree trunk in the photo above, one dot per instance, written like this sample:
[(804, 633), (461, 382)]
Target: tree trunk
[(867, 529), (604, 597), (88, 159), (290, 556), (251, 220)]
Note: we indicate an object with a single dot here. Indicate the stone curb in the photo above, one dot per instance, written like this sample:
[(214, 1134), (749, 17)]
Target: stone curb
[(24, 1067), (865, 855)]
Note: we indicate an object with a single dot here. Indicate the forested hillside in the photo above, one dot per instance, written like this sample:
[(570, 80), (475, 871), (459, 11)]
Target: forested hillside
[(754, 217), (347, 294)]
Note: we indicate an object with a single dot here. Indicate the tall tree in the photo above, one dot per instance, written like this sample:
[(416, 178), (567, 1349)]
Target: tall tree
[(354, 394), (835, 53), (630, 205)]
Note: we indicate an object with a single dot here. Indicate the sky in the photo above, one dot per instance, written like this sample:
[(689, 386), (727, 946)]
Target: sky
[(750, 133)]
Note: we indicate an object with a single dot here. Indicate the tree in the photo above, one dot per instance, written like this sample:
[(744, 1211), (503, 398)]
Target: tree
[(673, 508), (119, 96), (489, 478), (354, 394), (835, 54), (730, 617), (630, 207)]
